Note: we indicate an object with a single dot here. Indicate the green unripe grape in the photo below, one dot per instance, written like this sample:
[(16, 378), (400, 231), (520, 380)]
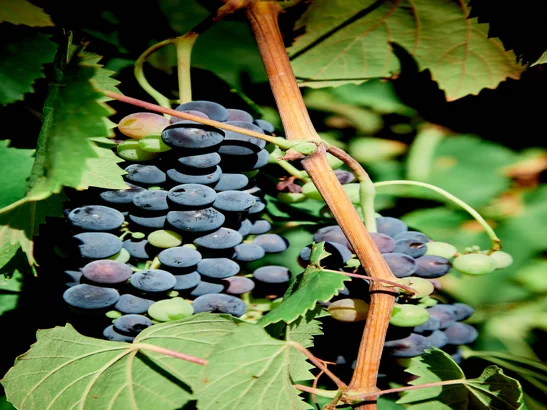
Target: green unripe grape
[(113, 314), (442, 249), (474, 264), (408, 315), (130, 151), (170, 309), (153, 143), (334, 162), (422, 286), (311, 191), (164, 238), (251, 174), (291, 197), (501, 259), (138, 235), (427, 301), (141, 124), (122, 256), (349, 310)]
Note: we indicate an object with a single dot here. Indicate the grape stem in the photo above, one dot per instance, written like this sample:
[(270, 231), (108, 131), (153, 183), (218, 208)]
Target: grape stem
[(496, 242), (422, 151), (167, 352), (387, 282)]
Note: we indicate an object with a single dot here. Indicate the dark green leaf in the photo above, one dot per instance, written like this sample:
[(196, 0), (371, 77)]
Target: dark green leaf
[(15, 166), (23, 12)]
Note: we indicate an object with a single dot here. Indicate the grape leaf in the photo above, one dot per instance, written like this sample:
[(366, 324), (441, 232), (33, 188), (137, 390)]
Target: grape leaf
[(248, 370), (314, 285), (491, 390), (348, 41), (21, 60), (15, 166), (10, 289), (64, 369), (104, 170), (23, 12)]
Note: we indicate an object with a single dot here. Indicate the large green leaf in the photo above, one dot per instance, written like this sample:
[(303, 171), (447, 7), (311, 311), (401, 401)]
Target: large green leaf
[(15, 166), (23, 12), (491, 390), (104, 170), (21, 60), (349, 41), (248, 370), (64, 369)]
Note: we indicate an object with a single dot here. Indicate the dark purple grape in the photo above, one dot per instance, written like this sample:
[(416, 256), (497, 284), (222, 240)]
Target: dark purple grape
[(148, 222), (265, 125), (238, 285), (390, 226), (401, 265), (260, 226), (271, 242), (131, 323), (136, 248), (111, 334), (96, 218), (187, 281), (437, 338), (231, 182), (239, 115), (344, 177), (463, 311), (179, 257), (248, 252), (72, 277), (199, 114), (413, 235), (245, 227), (191, 195), (132, 304), (239, 144), (258, 206), (410, 346), (205, 179), (201, 161), (152, 201), (145, 174), (121, 196), (153, 280), (384, 243), (233, 201), (219, 303), (430, 266), (224, 238), (206, 288), (461, 334), (212, 109), (445, 313), (217, 268), (90, 297), (272, 274), (199, 220), (107, 272), (410, 247), (432, 324), (191, 135), (98, 245), (332, 233)]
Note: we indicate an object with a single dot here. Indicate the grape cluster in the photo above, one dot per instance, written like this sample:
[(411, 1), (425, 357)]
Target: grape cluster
[(178, 241), (418, 321)]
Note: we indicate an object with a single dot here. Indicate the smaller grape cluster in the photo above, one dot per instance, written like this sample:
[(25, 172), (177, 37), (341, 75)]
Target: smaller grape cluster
[(178, 241), (418, 321)]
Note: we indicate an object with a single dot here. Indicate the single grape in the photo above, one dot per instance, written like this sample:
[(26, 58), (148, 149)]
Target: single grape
[(463, 311), (96, 218), (219, 303), (132, 304), (332, 233), (349, 310), (86, 296), (205, 288), (245, 227), (240, 144), (148, 222), (153, 143), (131, 151), (111, 334), (266, 126), (121, 196), (239, 115), (217, 268), (248, 252), (260, 226), (431, 266), (432, 324), (238, 285), (132, 323), (98, 245), (191, 135), (423, 287), (199, 220), (164, 239), (445, 313), (145, 174), (401, 265), (170, 309), (151, 201), (141, 124), (408, 315), (191, 195), (231, 182), (410, 346), (153, 280), (437, 339), (258, 206), (223, 238), (233, 201), (474, 264), (136, 248), (410, 247), (344, 177), (201, 161), (122, 256), (272, 274), (187, 281), (271, 242), (461, 334), (390, 226), (501, 259), (107, 272), (212, 109), (384, 243), (291, 197), (179, 257), (206, 179), (412, 235), (442, 249)]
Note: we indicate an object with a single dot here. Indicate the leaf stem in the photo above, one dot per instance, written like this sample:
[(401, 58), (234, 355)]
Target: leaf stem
[(496, 242), (341, 385), (330, 394), (387, 282), (184, 45), (172, 353)]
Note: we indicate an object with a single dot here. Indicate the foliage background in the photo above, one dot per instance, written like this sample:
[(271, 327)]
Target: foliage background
[(492, 154)]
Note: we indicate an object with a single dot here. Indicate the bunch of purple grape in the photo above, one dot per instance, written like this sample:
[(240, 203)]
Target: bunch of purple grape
[(177, 242)]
